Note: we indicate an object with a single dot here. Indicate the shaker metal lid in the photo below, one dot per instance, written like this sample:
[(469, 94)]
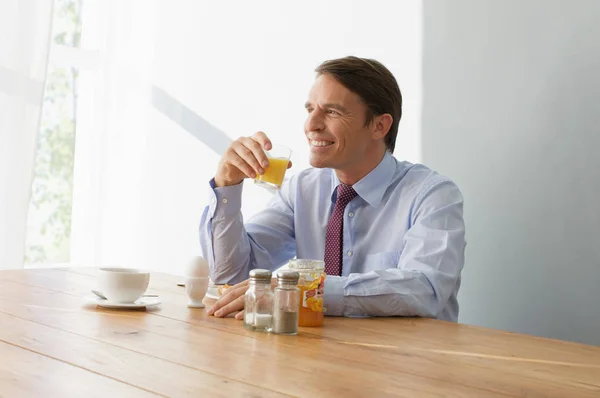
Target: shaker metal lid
[(260, 274), (288, 276)]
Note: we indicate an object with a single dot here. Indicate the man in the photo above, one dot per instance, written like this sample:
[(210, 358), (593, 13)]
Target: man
[(391, 233)]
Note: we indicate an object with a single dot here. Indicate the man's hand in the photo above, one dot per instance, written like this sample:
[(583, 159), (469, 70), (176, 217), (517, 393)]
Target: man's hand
[(233, 300), (245, 158)]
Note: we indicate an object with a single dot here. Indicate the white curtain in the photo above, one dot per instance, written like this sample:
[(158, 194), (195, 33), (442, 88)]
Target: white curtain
[(168, 85), (25, 27)]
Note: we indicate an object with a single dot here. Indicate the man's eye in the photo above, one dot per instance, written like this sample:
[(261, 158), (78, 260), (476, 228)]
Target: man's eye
[(332, 112), (309, 110)]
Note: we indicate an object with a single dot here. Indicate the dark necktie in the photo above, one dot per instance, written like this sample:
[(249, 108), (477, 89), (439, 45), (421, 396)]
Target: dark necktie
[(334, 240)]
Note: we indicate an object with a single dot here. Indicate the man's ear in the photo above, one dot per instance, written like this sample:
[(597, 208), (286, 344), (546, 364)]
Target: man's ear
[(381, 125)]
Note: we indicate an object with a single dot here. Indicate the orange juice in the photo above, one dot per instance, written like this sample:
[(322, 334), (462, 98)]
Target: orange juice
[(274, 174)]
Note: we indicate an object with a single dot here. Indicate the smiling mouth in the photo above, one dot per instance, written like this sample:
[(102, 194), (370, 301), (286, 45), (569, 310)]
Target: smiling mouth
[(320, 144)]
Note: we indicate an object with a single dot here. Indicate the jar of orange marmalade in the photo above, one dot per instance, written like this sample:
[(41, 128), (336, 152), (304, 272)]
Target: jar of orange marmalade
[(311, 285)]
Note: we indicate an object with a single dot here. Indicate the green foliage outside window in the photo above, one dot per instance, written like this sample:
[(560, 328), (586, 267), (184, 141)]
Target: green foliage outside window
[(49, 220)]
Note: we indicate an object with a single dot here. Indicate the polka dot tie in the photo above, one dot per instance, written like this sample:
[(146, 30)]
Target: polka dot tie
[(334, 240)]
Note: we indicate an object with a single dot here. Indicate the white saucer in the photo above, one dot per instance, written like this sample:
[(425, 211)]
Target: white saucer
[(142, 302), (213, 292)]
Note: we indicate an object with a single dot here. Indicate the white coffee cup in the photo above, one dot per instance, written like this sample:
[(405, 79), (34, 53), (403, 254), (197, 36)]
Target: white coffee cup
[(123, 285)]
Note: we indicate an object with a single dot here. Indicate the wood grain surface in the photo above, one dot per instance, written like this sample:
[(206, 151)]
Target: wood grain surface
[(52, 343)]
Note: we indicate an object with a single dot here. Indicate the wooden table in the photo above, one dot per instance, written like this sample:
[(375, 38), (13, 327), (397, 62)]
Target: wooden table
[(54, 345)]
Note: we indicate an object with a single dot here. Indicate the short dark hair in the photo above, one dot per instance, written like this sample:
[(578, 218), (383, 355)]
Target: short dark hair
[(374, 84)]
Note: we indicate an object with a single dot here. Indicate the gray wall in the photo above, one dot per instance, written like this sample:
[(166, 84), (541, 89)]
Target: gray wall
[(511, 111)]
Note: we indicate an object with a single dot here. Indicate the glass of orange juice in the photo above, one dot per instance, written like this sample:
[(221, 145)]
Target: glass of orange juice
[(279, 157)]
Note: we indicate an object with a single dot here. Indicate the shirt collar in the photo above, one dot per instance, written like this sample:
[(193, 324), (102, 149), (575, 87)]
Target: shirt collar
[(372, 186)]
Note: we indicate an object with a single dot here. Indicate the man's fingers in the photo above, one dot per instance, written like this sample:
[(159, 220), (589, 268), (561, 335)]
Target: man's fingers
[(243, 283), (242, 165), (263, 140), (253, 153), (239, 316), (235, 305), (221, 302), (289, 164), (232, 294)]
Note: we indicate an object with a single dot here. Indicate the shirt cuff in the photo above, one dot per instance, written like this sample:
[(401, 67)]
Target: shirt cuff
[(225, 201), (333, 295)]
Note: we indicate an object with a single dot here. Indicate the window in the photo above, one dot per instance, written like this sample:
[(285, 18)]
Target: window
[(49, 219)]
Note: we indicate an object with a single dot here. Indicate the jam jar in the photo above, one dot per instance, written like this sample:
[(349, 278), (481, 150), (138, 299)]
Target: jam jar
[(311, 284)]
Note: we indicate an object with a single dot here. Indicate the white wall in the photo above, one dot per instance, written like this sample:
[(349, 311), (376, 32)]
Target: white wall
[(252, 69), (173, 76), (511, 111)]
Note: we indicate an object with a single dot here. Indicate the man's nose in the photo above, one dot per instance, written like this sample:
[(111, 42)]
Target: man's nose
[(314, 121)]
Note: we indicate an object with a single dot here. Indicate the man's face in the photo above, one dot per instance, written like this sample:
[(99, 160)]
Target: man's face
[(335, 126)]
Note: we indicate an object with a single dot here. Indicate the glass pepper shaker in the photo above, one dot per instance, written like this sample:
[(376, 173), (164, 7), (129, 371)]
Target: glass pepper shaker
[(287, 303), (258, 302)]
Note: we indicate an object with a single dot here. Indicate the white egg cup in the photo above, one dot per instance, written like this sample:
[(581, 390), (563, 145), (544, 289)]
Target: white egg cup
[(196, 281), (197, 268), (196, 288)]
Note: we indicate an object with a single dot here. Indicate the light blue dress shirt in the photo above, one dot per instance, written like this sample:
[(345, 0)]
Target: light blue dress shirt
[(404, 238)]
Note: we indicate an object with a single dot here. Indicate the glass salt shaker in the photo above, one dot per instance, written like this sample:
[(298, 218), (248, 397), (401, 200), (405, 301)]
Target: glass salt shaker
[(287, 303), (258, 302)]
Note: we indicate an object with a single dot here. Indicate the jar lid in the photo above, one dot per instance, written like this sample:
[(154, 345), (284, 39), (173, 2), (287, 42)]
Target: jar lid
[(286, 276), (306, 264), (262, 275)]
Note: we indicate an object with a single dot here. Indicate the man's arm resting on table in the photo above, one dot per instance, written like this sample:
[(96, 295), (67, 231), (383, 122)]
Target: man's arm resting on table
[(427, 273)]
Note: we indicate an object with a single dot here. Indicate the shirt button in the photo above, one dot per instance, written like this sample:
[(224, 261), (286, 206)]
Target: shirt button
[(349, 253), (224, 200), (350, 214)]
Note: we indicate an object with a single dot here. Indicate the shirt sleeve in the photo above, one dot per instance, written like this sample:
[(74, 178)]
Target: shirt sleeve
[(421, 282), (231, 248)]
